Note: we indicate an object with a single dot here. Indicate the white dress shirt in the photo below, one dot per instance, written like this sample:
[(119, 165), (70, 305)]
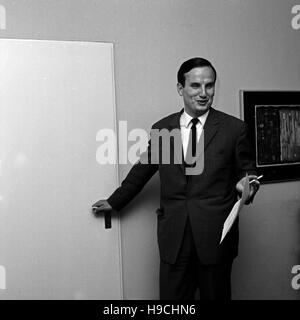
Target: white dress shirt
[(185, 128)]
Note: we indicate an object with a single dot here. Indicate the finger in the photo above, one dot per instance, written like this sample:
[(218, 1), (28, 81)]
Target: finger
[(96, 205), (240, 186), (97, 209), (97, 212), (254, 184), (252, 176)]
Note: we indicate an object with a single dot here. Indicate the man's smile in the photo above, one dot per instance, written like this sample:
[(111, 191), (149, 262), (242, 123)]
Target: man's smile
[(202, 102)]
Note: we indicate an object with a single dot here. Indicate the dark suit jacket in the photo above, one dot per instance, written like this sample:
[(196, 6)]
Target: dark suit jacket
[(206, 198)]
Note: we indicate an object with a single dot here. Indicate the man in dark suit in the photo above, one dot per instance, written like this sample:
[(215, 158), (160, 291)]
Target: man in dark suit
[(193, 207)]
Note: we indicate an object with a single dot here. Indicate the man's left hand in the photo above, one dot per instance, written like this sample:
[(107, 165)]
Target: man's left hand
[(254, 186)]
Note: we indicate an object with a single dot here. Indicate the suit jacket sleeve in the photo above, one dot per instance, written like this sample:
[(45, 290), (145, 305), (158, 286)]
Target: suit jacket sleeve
[(244, 154), (138, 176)]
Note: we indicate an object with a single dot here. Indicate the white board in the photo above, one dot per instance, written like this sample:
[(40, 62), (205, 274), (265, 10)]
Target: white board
[(54, 98)]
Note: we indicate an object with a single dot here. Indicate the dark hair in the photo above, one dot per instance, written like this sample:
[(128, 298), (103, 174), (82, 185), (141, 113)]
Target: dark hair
[(191, 64)]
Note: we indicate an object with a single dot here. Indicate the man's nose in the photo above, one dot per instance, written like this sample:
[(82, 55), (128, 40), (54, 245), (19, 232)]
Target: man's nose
[(202, 92)]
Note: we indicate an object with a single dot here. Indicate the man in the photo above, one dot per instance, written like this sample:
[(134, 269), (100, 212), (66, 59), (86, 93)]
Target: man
[(193, 208)]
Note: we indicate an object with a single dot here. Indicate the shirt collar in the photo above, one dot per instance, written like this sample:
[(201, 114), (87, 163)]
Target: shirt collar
[(185, 119)]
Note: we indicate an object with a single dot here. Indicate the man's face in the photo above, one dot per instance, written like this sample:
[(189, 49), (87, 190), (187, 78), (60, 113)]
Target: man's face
[(198, 91)]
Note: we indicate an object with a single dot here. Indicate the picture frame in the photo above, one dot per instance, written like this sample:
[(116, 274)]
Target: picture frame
[(273, 119)]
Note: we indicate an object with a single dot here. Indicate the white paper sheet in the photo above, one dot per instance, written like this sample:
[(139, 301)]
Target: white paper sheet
[(236, 209)]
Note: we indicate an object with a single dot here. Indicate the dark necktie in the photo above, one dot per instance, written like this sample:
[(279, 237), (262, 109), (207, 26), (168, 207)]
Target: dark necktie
[(192, 143)]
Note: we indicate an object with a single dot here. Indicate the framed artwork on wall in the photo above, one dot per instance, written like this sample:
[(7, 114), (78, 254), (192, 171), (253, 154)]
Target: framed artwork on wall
[(273, 118)]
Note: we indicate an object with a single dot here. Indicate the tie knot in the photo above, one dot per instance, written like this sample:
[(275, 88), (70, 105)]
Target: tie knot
[(195, 121)]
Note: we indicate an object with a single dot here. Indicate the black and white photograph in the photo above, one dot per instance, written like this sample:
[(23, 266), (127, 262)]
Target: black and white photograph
[(149, 151)]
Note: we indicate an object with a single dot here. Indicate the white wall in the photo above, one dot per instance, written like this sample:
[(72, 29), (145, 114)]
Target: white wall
[(252, 46)]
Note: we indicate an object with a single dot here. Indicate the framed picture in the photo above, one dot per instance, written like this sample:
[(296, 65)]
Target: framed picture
[(273, 118)]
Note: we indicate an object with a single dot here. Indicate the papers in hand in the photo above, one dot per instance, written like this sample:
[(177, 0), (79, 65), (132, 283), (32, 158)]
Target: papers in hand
[(236, 209)]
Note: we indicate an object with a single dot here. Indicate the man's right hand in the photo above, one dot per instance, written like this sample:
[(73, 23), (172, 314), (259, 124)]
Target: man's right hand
[(101, 206)]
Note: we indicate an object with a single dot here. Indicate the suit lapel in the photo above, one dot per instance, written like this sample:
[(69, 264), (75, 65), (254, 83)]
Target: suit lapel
[(175, 124), (210, 127)]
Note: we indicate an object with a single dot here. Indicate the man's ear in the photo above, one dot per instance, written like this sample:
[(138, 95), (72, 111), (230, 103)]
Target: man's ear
[(179, 88)]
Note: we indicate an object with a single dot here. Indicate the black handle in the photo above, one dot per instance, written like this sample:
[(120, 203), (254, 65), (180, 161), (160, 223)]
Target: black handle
[(107, 220)]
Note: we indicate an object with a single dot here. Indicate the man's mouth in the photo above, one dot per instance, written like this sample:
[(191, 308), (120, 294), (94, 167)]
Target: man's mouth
[(202, 102)]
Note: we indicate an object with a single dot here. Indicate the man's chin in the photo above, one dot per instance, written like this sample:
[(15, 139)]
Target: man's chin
[(202, 109)]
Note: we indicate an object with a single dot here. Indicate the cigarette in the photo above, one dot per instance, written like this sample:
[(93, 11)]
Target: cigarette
[(256, 179)]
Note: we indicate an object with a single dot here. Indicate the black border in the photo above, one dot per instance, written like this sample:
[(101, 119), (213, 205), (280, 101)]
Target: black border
[(250, 98)]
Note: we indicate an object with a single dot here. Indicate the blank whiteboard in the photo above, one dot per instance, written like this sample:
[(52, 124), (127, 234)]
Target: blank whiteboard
[(54, 98)]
